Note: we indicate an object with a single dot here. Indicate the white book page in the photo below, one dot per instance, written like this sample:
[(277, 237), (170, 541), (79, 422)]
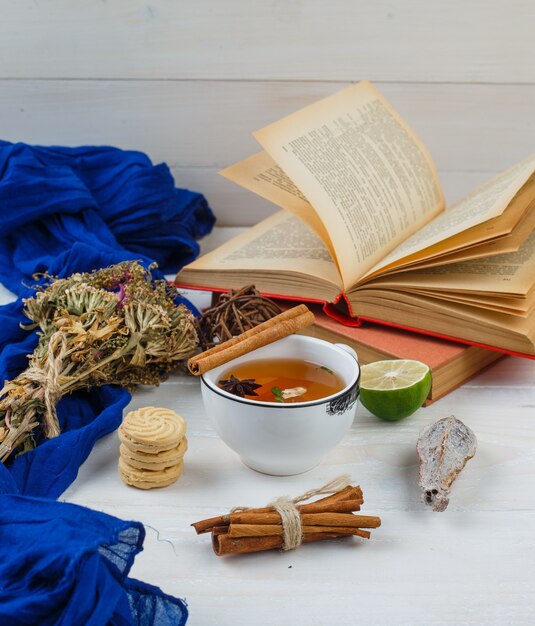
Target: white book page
[(368, 177), (481, 205)]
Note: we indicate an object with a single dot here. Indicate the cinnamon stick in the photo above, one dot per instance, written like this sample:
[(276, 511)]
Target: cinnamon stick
[(346, 500), (223, 544), (311, 519), (262, 530), (256, 530), (277, 327)]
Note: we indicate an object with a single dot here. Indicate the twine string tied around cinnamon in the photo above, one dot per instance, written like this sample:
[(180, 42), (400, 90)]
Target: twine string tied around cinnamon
[(289, 513)]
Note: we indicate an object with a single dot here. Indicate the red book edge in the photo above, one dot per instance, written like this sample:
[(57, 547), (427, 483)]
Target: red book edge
[(330, 309)]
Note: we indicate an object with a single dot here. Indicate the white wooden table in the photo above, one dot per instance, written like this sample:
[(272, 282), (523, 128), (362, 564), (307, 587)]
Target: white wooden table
[(472, 565)]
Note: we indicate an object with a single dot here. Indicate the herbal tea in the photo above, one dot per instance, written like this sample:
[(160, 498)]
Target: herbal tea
[(281, 380)]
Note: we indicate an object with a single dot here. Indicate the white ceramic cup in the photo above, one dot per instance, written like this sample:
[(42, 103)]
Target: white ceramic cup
[(285, 439)]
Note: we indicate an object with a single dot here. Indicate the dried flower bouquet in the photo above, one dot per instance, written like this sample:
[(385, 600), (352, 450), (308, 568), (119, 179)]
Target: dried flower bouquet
[(111, 326)]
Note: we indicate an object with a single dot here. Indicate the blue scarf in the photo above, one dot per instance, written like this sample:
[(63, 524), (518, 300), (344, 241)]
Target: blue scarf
[(68, 565), (65, 210)]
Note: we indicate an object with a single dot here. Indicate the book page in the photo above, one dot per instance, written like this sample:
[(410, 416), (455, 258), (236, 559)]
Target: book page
[(369, 179), (504, 274), (497, 245), (511, 305), (487, 202), (504, 233), (279, 243), (450, 319), (261, 175)]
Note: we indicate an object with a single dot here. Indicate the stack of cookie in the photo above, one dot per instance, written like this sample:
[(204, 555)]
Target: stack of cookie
[(153, 444)]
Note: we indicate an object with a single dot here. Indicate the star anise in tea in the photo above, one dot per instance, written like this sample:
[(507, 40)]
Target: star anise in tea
[(241, 388)]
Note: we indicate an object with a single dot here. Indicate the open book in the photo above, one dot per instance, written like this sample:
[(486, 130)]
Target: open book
[(365, 228)]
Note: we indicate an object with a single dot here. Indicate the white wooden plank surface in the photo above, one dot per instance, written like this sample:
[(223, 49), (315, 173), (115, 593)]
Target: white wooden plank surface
[(473, 564), (209, 123), (197, 127), (416, 40)]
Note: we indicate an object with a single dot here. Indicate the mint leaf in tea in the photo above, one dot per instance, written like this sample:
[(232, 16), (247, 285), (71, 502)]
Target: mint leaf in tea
[(277, 393), (282, 380)]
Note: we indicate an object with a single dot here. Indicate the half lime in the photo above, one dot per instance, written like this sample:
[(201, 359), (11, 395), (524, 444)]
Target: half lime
[(393, 390)]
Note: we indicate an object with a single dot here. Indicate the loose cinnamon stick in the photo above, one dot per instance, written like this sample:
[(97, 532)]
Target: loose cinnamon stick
[(280, 326), (345, 501)]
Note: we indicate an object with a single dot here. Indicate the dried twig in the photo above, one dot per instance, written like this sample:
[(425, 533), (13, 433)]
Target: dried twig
[(235, 312)]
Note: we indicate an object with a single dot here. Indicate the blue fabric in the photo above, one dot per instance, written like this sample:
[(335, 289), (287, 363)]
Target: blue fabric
[(64, 210), (77, 209), (71, 566)]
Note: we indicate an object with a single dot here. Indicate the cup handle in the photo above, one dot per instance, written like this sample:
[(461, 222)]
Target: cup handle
[(348, 349)]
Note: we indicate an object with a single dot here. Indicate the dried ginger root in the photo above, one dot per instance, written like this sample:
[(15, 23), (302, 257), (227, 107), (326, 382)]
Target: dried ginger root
[(444, 448)]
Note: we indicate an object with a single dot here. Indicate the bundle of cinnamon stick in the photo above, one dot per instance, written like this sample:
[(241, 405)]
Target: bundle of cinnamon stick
[(255, 530)]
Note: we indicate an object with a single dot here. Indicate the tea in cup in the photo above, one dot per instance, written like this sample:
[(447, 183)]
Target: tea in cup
[(302, 407)]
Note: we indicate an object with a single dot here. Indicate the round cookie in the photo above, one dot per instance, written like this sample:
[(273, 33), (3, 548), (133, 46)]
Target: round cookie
[(152, 430), (158, 460), (149, 479)]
